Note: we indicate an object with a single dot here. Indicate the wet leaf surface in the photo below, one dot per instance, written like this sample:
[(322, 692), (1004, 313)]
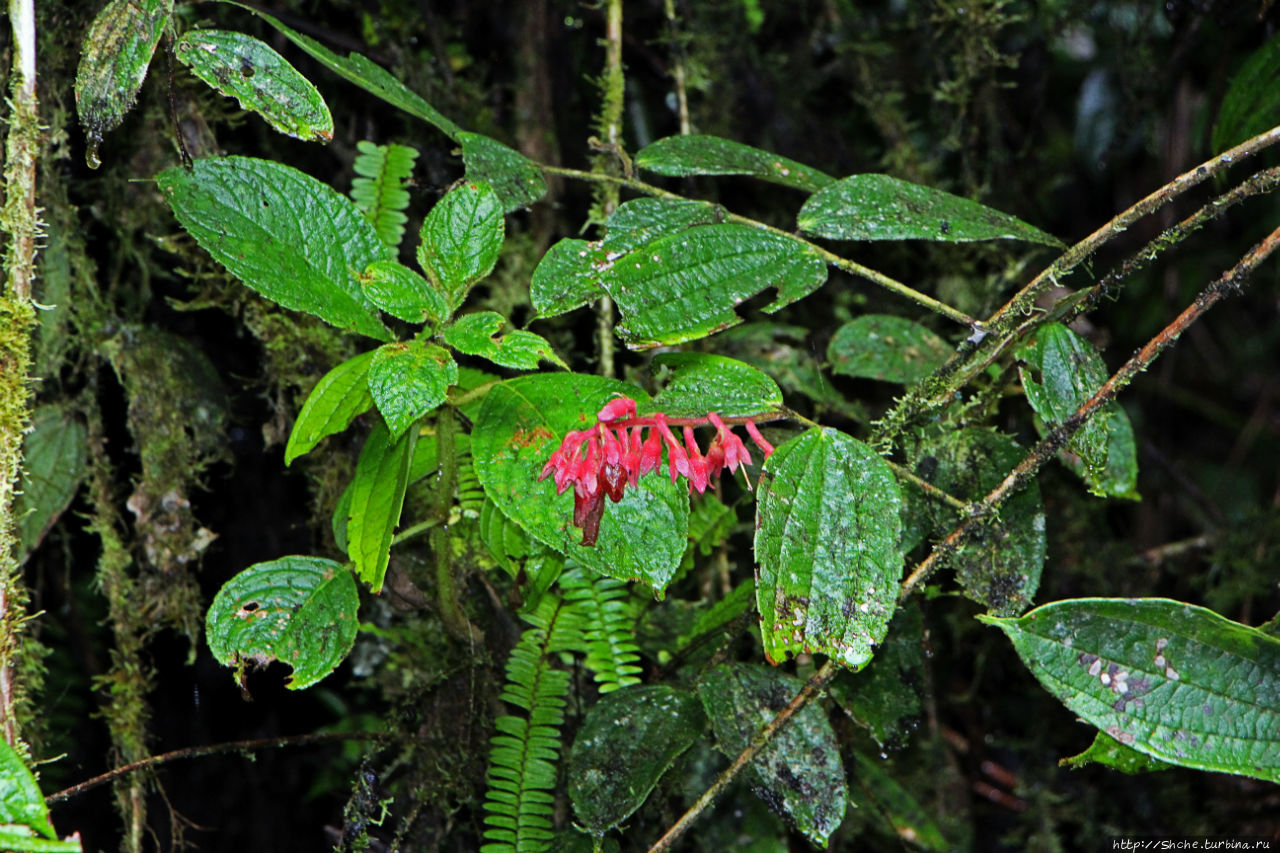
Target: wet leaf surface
[(885, 347), (408, 380), (482, 334), (698, 154), (377, 498), (701, 383)]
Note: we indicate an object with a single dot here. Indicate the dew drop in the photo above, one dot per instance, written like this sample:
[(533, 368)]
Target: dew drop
[(91, 152)]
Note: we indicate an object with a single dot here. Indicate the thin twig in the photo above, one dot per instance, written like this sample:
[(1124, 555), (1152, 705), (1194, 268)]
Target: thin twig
[(201, 751), (812, 688), (1230, 282)]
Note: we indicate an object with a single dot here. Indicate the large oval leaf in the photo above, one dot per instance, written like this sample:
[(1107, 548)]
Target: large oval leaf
[(697, 154), (113, 64), (241, 67), (283, 233), (642, 220), (800, 768), (885, 347), (685, 286), (705, 383), (1177, 682), (521, 422), (627, 741), (297, 610), (339, 396), (461, 239), (880, 207), (826, 538)]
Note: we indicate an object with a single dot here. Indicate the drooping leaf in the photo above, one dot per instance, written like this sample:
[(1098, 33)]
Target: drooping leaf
[(377, 497), (506, 540), (461, 239), (514, 177), (113, 64), (685, 286), (698, 154), (379, 186), (481, 334), (906, 816), (1251, 104), (53, 465), (403, 293), (1173, 681), (298, 610), (242, 67), (283, 233), (409, 379), (339, 397), (627, 741), (703, 383), (887, 697), (880, 207), (1000, 565), (568, 277), (886, 347), (1109, 752), (800, 768), (827, 526), (640, 221), (521, 422), (1071, 371), (357, 69)]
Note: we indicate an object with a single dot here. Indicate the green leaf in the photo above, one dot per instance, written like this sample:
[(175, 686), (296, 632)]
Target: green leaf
[(784, 352), (696, 154), (1000, 565), (403, 293), (409, 379), (800, 768), (241, 67), (283, 233), (827, 526), (1173, 681), (505, 539), (297, 610), (1071, 372), (379, 187), (461, 239), (642, 220), (1109, 752), (1251, 104), (887, 697), (880, 207), (685, 286), (514, 177), (906, 816), (21, 803), (113, 64), (53, 465), (704, 383), (358, 70), (885, 347), (377, 497), (627, 741), (481, 334), (17, 840), (339, 397), (521, 422), (568, 277)]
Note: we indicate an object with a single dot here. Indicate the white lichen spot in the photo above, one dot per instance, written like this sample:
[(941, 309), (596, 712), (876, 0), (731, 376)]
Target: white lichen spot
[(1161, 643), (1095, 668), (1105, 679), (1159, 661), (1171, 673)]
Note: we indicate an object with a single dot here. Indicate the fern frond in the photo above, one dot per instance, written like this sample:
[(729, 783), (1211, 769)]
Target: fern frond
[(378, 190), (608, 625), (524, 753)]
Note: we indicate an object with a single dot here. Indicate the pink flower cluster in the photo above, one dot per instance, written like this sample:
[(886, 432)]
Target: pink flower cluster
[(603, 459)]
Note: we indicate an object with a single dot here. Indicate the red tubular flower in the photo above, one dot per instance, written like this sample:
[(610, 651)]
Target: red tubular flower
[(698, 476), (759, 439)]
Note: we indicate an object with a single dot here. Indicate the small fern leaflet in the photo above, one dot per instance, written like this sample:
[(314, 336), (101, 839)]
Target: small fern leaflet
[(524, 753), (608, 625), (378, 188)]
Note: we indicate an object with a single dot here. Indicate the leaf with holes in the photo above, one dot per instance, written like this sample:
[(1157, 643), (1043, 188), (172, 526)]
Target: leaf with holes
[(685, 286), (627, 741), (283, 233), (241, 67), (887, 348), (521, 422), (827, 525), (461, 239), (1173, 681), (403, 293), (298, 610), (514, 177), (697, 154), (113, 64), (702, 383), (800, 769), (481, 334), (339, 397), (408, 380), (377, 498), (880, 207)]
